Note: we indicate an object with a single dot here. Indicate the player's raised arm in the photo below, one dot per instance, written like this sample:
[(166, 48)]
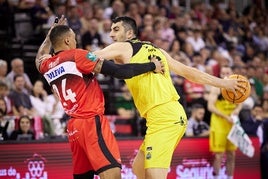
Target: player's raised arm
[(200, 77), (44, 49)]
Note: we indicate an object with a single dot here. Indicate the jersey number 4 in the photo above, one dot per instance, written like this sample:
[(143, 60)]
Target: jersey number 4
[(67, 94)]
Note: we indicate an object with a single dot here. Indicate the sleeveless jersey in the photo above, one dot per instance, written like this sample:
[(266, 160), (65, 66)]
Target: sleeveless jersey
[(220, 124), (70, 74), (150, 89)]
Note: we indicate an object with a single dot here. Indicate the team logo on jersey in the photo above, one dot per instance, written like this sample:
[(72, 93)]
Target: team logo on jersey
[(148, 152), (92, 57), (148, 156)]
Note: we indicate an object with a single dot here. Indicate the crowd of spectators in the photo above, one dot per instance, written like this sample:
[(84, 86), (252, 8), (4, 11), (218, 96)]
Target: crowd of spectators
[(206, 36)]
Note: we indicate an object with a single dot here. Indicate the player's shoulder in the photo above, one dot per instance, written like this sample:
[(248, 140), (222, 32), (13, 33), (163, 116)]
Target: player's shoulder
[(120, 44)]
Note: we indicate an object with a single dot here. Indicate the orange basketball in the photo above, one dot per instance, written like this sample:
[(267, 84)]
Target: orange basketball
[(229, 95)]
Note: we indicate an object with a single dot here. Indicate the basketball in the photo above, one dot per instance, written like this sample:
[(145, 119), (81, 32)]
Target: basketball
[(229, 95)]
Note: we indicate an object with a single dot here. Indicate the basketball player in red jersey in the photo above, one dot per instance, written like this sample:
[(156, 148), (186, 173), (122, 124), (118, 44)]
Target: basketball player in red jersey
[(70, 73)]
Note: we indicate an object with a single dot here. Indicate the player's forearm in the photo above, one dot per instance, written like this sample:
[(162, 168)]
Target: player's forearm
[(125, 71), (200, 77), (43, 49)]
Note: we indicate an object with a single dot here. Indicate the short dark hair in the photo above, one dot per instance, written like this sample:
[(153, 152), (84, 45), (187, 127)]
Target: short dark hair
[(197, 106), (128, 23), (17, 76), (57, 32), (3, 85)]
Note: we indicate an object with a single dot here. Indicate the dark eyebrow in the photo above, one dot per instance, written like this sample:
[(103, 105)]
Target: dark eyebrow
[(115, 28)]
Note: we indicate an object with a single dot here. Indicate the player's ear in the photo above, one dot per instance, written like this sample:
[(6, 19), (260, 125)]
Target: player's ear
[(129, 34), (67, 41)]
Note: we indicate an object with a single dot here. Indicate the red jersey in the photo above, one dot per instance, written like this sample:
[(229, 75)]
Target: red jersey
[(70, 74)]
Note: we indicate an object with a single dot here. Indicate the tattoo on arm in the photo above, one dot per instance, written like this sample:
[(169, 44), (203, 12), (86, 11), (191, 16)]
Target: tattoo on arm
[(43, 49), (98, 66)]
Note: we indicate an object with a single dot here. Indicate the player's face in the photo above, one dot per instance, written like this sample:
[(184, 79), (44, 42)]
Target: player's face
[(199, 114), (118, 32), (25, 124), (225, 72)]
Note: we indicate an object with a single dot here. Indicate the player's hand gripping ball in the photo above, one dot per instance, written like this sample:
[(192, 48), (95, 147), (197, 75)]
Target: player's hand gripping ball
[(240, 97)]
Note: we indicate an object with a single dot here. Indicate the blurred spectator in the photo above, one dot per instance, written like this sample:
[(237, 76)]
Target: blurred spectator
[(175, 50), (74, 22), (188, 49), (57, 114), (17, 68), (178, 23), (251, 121), (194, 92), (196, 125), (24, 131), (147, 34), (146, 29), (41, 106), (262, 133), (7, 124), (237, 62), (133, 12), (3, 72), (91, 40), (253, 99), (21, 99), (230, 37), (257, 83), (209, 39), (124, 103), (265, 108), (126, 111), (4, 91), (196, 39), (3, 125), (85, 20), (105, 33), (99, 15), (167, 32), (216, 27), (249, 53), (116, 9), (58, 9), (198, 62), (40, 14)]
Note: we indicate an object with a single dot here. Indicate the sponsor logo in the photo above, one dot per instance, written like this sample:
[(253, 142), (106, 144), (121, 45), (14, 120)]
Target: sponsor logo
[(71, 133), (197, 168), (92, 57), (36, 166), (55, 73), (53, 64), (148, 156), (149, 148)]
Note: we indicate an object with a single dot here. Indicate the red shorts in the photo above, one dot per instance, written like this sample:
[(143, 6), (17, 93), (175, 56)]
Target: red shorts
[(93, 145)]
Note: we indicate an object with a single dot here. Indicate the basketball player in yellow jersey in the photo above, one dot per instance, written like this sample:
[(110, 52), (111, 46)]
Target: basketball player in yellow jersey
[(220, 125), (155, 97)]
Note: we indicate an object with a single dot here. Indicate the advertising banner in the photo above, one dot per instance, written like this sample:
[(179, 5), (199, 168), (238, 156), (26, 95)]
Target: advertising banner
[(191, 160)]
